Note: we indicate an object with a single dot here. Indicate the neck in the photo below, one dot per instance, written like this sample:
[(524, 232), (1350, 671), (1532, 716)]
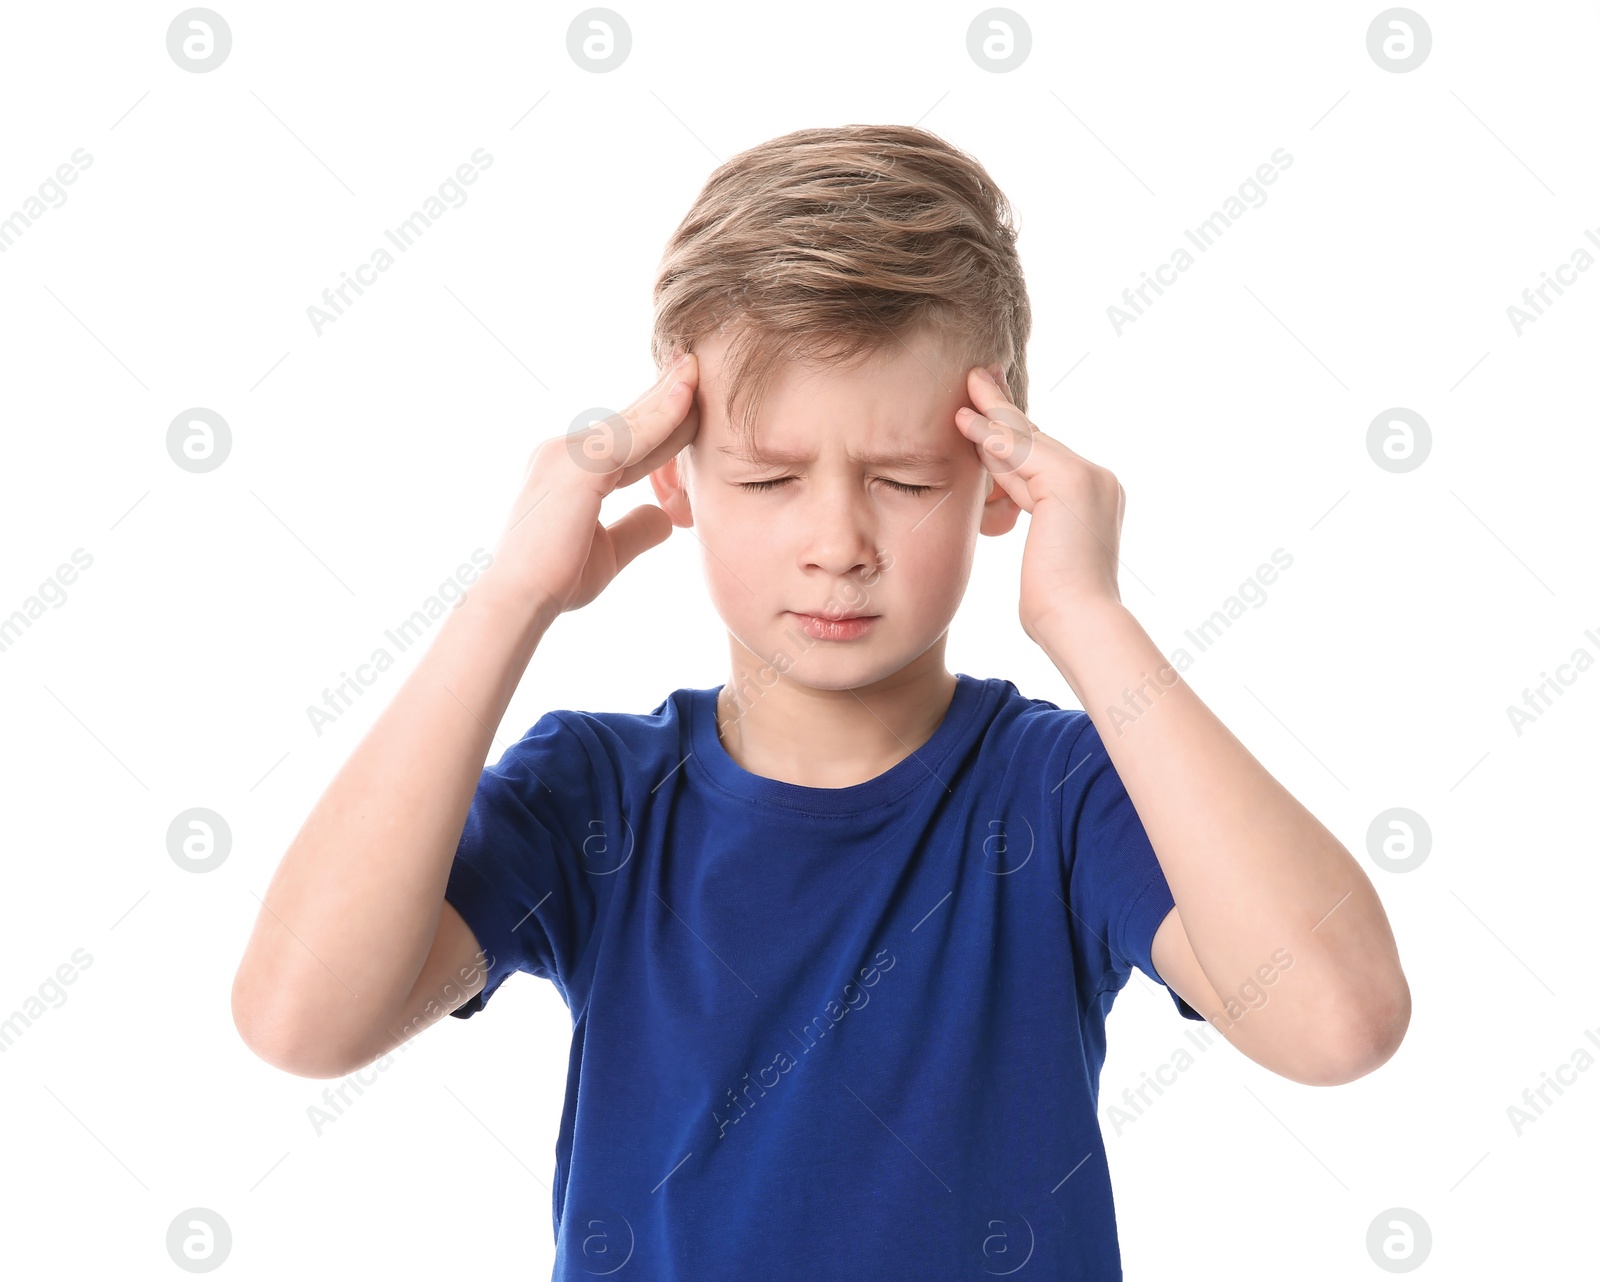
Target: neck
[(773, 724)]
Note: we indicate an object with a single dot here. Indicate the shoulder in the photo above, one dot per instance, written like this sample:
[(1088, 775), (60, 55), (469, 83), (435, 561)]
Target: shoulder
[(667, 721), (619, 744), (1037, 728)]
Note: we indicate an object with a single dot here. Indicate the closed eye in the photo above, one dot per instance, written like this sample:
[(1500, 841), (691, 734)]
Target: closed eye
[(780, 480)]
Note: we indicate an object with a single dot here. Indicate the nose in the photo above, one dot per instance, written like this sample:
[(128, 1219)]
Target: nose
[(839, 526)]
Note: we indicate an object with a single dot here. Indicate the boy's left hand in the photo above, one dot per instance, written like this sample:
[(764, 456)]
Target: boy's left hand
[(1075, 507)]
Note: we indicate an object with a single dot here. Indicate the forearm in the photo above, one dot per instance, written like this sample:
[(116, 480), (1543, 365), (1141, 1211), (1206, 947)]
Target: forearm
[(1252, 871), (349, 916)]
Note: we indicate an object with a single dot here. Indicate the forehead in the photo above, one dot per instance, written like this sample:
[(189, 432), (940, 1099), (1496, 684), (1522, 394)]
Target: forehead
[(908, 453), (895, 406)]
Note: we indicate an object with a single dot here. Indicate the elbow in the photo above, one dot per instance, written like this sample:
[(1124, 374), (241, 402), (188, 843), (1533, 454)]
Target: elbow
[(290, 1056), (1376, 1032), (273, 1038)]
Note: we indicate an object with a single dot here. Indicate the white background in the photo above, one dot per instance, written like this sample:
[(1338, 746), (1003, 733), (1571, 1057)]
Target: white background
[(369, 461)]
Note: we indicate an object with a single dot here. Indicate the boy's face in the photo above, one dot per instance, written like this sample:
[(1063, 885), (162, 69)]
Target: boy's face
[(837, 538)]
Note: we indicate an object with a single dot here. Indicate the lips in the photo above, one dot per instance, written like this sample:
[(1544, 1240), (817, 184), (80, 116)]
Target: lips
[(850, 627)]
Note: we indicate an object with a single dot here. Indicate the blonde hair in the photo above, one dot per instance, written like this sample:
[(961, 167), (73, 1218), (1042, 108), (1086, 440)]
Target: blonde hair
[(826, 246)]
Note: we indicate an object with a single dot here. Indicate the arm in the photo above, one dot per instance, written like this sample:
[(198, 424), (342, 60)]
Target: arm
[(355, 942), (1255, 878), (1251, 870), (355, 948)]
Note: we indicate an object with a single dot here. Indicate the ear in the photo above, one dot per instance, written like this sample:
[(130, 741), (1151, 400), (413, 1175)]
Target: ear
[(1000, 510), (672, 493)]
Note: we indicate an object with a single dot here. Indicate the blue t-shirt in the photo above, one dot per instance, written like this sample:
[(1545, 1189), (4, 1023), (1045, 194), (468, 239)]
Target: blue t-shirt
[(821, 1033)]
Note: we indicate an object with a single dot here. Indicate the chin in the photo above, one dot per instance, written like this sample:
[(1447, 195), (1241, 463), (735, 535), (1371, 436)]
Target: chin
[(835, 666)]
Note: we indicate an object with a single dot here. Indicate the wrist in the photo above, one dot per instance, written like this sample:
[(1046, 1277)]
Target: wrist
[(1078, 634), (511, 605), (1071, 621)]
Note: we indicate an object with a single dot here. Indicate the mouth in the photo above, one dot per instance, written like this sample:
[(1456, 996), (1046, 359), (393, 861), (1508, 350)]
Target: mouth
[(845, 627)]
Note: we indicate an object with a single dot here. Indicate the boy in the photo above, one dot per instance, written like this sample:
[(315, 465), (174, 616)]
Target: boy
[(839, 936)]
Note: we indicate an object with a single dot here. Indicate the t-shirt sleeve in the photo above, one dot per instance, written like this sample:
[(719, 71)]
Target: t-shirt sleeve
[(518, 879), (1117, 892)]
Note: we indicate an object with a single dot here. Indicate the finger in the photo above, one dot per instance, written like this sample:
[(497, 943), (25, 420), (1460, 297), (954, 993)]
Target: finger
[(994, 402), (668, 374), (990, 394), (663, 431), (1004, 452), (1002, 433), (639, 530), (993, 399), (664, 398), (630, 442)]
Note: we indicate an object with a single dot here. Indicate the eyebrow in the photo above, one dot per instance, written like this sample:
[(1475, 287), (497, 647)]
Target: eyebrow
[(910, 456)]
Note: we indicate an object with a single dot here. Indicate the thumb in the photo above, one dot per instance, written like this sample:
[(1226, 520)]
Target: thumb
[(639, 530)]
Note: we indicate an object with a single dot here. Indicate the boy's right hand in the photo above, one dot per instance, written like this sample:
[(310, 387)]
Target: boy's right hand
[(554, 553)]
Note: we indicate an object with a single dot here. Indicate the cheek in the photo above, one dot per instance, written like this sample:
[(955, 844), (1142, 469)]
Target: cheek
[(926, 558), (729, 525), (736, 556)]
